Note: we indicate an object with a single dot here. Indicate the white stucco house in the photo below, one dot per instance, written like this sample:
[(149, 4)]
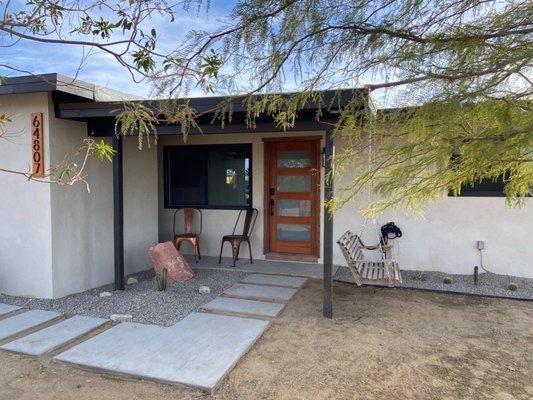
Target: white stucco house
[(57, 240)]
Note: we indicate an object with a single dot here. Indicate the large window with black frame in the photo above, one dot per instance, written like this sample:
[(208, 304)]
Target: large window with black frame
[(208, 176)]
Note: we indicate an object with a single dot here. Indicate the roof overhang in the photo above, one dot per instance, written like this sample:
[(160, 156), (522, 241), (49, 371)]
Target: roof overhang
[(64, 87)]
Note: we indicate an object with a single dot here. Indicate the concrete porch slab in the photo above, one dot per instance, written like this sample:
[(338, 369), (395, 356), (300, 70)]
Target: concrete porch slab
[(198, 351), (7, 308), (309, 270), (242, 306), (275, 280), (30, 319), (54, 336), (260, 292)]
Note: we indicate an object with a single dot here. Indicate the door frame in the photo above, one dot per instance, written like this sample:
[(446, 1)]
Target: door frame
[(317, 194)]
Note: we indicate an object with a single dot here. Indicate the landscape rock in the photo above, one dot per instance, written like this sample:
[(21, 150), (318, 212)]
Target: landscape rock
[(165, 255), (121, 317), (106, 294), (204, 289), (131, 280)]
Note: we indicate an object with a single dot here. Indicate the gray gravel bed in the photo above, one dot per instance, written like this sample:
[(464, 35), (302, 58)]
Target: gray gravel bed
[(142, 299), (489, 284)]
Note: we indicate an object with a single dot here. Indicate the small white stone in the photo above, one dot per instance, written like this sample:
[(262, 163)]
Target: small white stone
[(131, 280), (204, 289), (106, 294), (121, 317)]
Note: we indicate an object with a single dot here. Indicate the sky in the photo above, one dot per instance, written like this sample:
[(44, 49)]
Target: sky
[(98, 67)]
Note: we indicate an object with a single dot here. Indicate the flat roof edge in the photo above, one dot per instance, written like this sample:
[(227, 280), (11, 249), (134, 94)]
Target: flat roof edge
[(61, 83)]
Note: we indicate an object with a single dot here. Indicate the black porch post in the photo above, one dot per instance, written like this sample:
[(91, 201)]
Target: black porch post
[(118, 213), (327, 305)]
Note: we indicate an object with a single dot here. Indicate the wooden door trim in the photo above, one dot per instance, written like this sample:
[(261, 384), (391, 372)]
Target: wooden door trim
[(293, 138), (266, 202)]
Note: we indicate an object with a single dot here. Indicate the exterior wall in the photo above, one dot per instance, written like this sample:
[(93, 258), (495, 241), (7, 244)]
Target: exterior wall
[(25, 212), (58, 240), (141, 227), (217, 223), (443, 240), (82, 222), (82, 230)]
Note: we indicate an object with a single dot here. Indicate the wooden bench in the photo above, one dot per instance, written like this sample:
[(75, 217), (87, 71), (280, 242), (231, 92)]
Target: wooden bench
[(369, 272)]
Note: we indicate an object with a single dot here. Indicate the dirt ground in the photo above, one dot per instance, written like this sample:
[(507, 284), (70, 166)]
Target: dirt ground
[(382, 344)]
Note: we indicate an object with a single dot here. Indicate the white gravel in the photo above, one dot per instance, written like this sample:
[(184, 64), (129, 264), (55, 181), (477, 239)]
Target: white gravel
[(142, 299), (489, 284)]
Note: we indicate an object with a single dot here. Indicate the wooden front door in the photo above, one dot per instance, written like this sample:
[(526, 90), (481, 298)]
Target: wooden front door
[(292, 196)]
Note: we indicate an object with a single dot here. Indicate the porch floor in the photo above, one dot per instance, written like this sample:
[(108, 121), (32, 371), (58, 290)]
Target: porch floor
[(308, 270)]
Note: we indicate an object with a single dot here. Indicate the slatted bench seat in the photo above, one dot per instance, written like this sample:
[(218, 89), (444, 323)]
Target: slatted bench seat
[(369, 272)]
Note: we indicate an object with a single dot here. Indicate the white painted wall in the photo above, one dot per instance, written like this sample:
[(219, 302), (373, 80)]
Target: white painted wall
[(218, 223), (141, 210), (58, 240), (82, 222), (25, 214), (82, 231), (444, 240)]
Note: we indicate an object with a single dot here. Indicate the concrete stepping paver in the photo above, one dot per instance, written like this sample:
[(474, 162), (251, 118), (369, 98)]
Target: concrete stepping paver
[(275, 280), (18, 323), (242, 306), (198, 351), (260, 292), (7, 308), (54, 336)]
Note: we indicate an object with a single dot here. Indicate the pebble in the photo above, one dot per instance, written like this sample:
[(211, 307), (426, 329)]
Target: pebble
[(121, 317), (141, 300), (131, 280), (489, 284), (106, 294), (204, 289)]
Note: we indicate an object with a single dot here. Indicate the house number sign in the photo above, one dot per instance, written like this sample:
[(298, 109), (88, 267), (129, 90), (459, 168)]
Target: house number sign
[(37, 145)]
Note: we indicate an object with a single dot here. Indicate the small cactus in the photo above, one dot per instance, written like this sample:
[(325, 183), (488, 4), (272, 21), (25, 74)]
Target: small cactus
[(162, 280), (512, 286), (447, 280)]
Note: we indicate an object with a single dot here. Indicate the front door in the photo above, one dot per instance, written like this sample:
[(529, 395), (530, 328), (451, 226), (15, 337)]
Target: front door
[(292, 197)]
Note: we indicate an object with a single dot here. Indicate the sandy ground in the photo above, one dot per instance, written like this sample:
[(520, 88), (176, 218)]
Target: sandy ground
[(382, 344)]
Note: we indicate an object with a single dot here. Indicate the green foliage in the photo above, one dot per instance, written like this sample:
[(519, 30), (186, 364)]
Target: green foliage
[(136, 119), (512, 286), (162, 280), (408, 157), (103, 151), (447, 280), (460, 70)]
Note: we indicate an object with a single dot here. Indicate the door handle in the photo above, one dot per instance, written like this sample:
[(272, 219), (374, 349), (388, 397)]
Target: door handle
[(271, 207)]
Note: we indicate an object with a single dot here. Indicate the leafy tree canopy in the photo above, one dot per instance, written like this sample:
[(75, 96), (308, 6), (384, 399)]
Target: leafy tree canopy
[(461, 72)]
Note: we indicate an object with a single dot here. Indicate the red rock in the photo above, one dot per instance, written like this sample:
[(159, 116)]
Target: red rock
[(165, 255)]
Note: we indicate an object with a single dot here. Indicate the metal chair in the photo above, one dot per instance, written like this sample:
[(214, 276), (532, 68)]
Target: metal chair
[(188, 234), (236, 240)]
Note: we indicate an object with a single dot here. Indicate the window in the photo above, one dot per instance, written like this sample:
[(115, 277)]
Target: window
[(213, 176), (484, 188)]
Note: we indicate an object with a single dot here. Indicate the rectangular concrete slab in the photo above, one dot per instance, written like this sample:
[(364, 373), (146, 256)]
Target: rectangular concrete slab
[(198, 351), (275, 280), (7, 308), (54, 336), (30, 319), (260, 292), (242, 306)]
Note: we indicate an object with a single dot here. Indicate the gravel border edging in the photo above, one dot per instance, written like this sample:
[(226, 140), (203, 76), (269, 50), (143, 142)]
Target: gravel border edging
[(451, 292)]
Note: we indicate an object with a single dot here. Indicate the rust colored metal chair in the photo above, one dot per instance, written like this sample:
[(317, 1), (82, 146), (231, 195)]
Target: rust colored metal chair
[(188, 235), (236, 240)]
